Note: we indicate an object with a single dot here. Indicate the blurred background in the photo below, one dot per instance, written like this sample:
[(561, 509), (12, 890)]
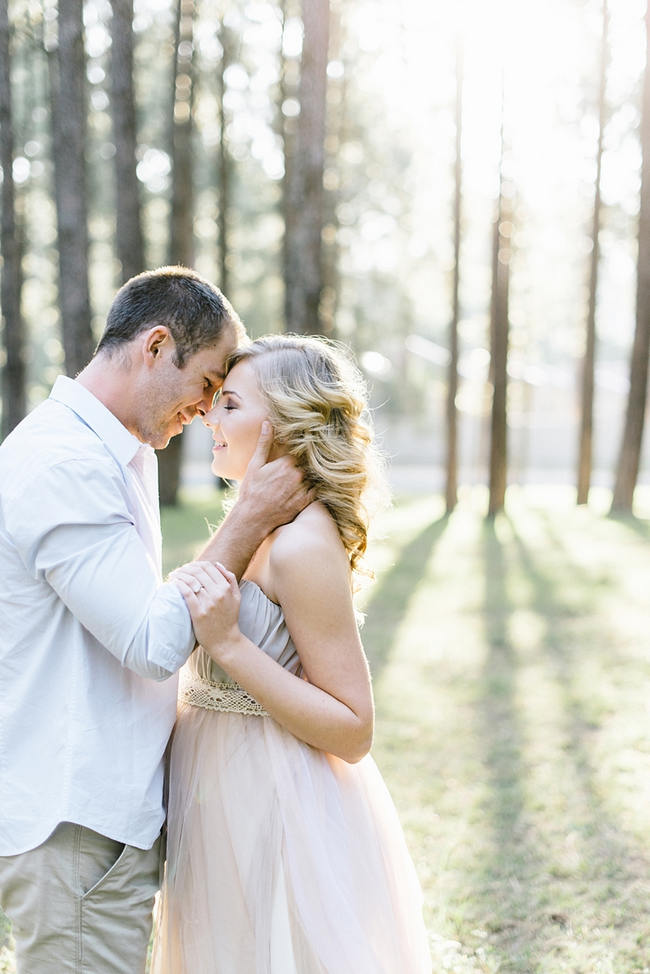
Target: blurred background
[(454, 190)]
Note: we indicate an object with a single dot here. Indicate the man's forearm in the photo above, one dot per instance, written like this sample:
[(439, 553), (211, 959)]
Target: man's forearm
[(269, 495), (236, 540)]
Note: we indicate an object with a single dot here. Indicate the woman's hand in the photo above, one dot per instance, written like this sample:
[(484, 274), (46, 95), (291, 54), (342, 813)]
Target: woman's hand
[(212, 596)]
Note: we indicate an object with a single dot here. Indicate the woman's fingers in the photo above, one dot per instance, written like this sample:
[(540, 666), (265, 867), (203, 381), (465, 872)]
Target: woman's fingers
[(187, 591), (212, 598), (200, 574), (230, 577)]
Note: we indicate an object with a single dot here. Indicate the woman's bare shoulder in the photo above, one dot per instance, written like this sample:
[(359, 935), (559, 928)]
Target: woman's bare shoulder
[(313, 533)]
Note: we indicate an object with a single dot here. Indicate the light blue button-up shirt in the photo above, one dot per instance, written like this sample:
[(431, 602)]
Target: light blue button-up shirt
[(90, 637)]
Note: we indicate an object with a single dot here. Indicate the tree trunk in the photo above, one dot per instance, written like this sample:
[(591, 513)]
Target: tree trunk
[(287, 130), (130, 243), (181, 245), (225, 168), (303, 253), (451, 484), (181, 236), (630, 452), (499, 347), (585, 448), (13, 372), (67, 79)]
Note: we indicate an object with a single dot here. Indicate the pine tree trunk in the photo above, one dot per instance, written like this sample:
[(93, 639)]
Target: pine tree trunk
[(181, 236), (630, 453), (67, 79), (224, 176), (499, 349), (181, 248), (287, 130), (13, 371), (585, 448), (451, 483), (499, 422), (129, 237), (303, 252)]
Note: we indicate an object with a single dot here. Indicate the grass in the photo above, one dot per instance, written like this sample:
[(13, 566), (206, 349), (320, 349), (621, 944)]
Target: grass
[(511, 666), (511, 663)]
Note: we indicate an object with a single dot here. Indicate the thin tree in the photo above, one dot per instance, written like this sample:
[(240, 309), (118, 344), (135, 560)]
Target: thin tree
[(286, 128), (67, 80), (337, 127), (181, 229), (627, 471), (585, 444), (181, 237), (303, 250), (499, 327), (224, 164), (451, 483), (13, 372), (129, 236)]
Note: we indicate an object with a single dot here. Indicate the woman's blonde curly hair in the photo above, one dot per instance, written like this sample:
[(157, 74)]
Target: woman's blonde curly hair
[(319, 411)]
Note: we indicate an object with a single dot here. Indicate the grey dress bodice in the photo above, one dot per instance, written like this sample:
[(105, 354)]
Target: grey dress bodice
[(262, 621)]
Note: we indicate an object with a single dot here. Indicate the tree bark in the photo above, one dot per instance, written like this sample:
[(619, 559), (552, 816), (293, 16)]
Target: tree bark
[(451, 482), (129, 236), (14, 403), (286, 128), (632, 440), (181, 235), (585, 443), (67, 79), (225, 168), (303, 251), (499, 327), (181, 246)]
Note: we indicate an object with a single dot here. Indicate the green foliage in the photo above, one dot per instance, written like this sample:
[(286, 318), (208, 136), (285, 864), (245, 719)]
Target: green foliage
[(389, 184)]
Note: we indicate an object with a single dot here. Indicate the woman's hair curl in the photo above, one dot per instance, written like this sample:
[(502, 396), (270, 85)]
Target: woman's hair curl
[(318, 408)]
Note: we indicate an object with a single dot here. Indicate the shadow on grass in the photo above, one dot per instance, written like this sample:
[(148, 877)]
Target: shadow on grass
[(614, 856), (638, 525), (393, 593), (507, 889)]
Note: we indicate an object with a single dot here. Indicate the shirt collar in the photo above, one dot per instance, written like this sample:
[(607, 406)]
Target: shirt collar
[(122, 444)]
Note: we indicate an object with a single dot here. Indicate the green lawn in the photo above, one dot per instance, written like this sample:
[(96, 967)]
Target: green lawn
[(511, 665)]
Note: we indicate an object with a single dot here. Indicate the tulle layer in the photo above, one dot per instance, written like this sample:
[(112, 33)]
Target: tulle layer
[(281, 859)]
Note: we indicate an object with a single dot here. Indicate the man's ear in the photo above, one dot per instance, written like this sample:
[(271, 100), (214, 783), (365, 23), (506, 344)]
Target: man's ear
[(154, 340)]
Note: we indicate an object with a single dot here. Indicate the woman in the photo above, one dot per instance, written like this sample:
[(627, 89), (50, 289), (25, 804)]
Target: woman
[(285, 854)]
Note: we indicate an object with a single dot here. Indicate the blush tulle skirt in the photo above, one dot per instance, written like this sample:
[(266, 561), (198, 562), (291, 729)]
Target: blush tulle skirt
[(281, 859)]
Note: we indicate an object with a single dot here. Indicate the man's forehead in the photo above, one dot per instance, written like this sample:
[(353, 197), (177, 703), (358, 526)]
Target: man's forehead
[(213, 357)]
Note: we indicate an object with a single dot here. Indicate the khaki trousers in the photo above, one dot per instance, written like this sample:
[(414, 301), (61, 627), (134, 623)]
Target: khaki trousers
[(80, 903)]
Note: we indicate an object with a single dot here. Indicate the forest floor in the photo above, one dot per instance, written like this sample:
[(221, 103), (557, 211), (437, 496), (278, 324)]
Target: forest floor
[(511, 667)]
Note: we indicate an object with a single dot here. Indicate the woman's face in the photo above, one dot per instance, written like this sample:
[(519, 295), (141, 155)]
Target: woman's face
[(236, 420)]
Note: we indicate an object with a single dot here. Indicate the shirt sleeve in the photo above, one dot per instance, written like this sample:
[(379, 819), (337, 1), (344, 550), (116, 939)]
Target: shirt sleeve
[(76, 535)]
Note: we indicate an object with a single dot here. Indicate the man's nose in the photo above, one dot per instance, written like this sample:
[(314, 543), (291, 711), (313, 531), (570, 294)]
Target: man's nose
[(204, 405), (208, 416)]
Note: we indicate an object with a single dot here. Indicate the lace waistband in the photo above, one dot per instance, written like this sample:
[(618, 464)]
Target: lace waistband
[(227, 697)]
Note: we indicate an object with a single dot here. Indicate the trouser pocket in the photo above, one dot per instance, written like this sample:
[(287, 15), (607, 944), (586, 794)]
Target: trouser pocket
[(97, 856)]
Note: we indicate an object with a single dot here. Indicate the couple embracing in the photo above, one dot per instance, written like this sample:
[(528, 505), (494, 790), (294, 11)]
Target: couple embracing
[(284, 854)]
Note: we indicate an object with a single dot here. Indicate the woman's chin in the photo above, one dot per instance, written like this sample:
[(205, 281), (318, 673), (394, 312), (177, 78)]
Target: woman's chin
[(220, 470)]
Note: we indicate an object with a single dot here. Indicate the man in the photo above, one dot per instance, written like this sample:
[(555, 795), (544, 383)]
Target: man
[(90, 637)]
